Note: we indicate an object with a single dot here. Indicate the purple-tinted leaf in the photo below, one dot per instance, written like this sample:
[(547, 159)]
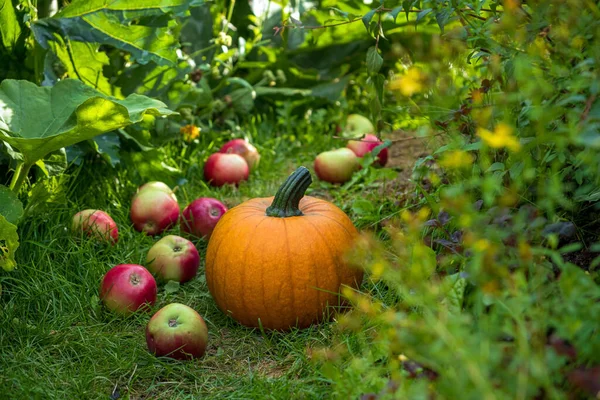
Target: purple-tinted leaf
[(443, 217), (445, 242), (457, 236), (564, 230), (432, 222), (477, 205)]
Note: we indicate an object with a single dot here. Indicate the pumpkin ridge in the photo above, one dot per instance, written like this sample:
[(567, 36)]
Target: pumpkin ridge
[(289, 258), (334, 220), (244, 259), (222, 236), (316, 272), (336, 262)]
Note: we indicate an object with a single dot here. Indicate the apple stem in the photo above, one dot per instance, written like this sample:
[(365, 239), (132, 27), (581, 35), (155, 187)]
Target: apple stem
[(288, 196), (134, 279)]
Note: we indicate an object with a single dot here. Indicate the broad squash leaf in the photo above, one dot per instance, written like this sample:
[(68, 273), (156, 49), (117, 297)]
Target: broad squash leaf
[(83, 61), (140, 27), (39, 120)]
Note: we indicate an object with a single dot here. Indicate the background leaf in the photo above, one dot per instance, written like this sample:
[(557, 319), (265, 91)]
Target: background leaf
[(374, 60), (119, 24), (10, 205), (40, 120), (9, 242), (10, 30)]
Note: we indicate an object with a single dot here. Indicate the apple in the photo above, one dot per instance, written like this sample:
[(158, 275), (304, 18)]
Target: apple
[(153, 210), (366, 145), (336, 166), (200, 217), (357, 125), (173, 258), (222, 168), (127, 288), (177, 331), (97, 224), (244, 149), (156, 185)]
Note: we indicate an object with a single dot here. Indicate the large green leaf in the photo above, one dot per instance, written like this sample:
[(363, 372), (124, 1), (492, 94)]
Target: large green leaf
[(83, 61), (140, 27), (39, 120), (10, 30), (9, 242)]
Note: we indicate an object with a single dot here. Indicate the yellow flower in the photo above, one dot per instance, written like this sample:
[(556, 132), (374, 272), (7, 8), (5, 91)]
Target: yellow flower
[(189, 132), (413, 81), (456, 159), (501, 137)]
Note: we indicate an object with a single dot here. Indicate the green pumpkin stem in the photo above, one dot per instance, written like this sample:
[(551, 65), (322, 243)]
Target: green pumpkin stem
[(289, 194)]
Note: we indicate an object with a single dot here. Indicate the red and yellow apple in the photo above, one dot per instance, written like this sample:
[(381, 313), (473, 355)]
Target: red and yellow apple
[(336, 166), (366, 145), (96, 224), (154, 208), (243, 148), (223, 168), (173, 258), (200, 217), (127, 288), (177, 331)]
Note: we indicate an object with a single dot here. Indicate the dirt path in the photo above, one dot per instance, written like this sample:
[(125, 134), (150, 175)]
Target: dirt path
[(404, 152)]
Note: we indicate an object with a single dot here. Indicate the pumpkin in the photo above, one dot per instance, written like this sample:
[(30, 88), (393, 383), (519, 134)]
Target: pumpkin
[(278, 262)]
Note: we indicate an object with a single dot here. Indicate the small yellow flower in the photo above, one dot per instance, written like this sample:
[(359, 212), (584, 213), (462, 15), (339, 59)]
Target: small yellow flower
[(456, 159), (501, 137), (481, 245), (377, 270), (413, 81), (189, 132)]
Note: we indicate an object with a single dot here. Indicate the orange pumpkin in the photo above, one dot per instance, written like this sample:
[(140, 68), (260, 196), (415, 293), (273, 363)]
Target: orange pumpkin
[(279, 260)]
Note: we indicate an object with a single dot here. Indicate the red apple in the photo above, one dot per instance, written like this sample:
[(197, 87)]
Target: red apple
[(97, 224), (153, 210), (201, 216), (177, 331), (357, 125), (336, 166), (366, 145), (244, 149), (128, 287), (222, 168), (173, 258)]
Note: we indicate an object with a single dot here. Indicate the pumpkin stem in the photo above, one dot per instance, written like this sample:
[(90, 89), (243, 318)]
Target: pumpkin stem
[(289, 194)]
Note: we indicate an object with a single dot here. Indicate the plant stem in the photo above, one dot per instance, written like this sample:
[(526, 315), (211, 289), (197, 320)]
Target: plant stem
[(19, 177), (16, 174), (229, 15)]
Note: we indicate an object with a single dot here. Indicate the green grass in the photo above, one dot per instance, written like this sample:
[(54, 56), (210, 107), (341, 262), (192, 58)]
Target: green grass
[(57, 341)]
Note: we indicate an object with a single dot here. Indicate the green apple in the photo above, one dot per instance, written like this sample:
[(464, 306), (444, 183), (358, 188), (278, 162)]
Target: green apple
[(336, 166), (357, 126)]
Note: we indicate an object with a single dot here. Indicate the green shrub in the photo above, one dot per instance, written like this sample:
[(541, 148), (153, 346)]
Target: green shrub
[(489, 290)]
